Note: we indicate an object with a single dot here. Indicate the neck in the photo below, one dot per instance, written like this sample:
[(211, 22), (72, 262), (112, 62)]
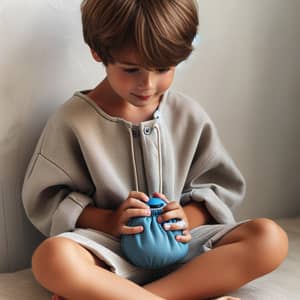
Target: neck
[(113, 105)]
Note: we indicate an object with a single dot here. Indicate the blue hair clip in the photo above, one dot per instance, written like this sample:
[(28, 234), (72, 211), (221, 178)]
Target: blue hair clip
[(197, 40)]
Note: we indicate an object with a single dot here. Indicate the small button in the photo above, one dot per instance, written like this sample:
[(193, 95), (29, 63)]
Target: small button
[(147, 130), (156, 114)]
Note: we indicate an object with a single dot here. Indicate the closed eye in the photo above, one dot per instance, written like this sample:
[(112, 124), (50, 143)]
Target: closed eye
[(131, 70), (163, 70)]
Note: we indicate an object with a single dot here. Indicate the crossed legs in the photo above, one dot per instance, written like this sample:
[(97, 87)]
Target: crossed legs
[(245, 253), (69, 270)]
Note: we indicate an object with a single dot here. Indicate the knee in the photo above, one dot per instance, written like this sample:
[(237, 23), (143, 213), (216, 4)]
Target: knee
[(50, 258), (269, 241)]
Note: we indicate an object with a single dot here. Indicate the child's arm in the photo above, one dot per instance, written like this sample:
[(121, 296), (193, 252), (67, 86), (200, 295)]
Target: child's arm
[(197, 214), (214, 185), (114, 222), (95, 218)]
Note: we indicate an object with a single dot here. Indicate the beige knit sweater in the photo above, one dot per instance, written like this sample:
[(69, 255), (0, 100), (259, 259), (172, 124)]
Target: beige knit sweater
[(85, 156)]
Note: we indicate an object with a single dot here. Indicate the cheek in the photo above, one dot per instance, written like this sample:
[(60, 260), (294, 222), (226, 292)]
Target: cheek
[(165, 82), (120, 81)]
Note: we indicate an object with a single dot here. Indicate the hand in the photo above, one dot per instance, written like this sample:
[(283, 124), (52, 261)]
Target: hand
[(173, 210), (133, 206)]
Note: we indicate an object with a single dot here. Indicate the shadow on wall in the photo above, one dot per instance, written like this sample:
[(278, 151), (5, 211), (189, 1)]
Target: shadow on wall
[(274, 126), (41, 61), (246, 73)]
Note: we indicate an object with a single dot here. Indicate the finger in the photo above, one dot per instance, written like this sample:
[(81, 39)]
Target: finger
[(172, 206), (135, 212), (138, 195), (171, 214), (134, 203), (186, 232), (180, 225), (161, 196), (184, 238), (131, 229)]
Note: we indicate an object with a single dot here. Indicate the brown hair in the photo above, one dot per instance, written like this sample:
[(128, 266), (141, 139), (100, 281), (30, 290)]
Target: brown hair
[(161, 30)]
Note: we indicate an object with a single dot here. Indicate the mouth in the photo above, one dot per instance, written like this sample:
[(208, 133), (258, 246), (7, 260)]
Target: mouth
[(142, 97)]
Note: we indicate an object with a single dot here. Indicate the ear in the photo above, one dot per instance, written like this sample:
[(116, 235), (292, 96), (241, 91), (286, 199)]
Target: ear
[(95, 55)]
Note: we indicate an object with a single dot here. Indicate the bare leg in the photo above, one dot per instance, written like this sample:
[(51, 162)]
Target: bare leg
[(247, 252), (69, 270)]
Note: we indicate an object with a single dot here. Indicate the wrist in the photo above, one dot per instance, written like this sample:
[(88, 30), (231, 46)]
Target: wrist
[(111, 221), (196, 214), (96, 218)]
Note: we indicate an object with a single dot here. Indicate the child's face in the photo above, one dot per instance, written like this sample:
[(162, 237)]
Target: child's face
[(133, 83)]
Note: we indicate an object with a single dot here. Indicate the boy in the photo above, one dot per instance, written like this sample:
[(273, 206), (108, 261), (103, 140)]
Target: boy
[(105, 151)]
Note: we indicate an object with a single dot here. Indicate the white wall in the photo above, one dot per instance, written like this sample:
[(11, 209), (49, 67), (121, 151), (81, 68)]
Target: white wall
[(245, 72), (42, 62)]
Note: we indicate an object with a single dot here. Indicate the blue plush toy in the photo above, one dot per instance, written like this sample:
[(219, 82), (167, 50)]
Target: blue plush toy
[(155, 247)]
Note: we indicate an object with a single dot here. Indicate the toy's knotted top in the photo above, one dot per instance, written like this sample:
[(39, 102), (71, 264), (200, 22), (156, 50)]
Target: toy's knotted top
[(156, 205)]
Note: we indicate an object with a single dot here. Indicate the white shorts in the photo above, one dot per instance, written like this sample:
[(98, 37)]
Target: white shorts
[(107, 249)]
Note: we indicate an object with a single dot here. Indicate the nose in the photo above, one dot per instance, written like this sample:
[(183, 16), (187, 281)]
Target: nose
[(146, 80)]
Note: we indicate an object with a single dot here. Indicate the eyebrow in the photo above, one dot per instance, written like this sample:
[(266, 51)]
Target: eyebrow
[(128, 63)]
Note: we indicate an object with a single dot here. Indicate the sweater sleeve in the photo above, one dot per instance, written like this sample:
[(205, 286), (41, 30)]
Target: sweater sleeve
[(213, 178), (50, 198), (57, 185)]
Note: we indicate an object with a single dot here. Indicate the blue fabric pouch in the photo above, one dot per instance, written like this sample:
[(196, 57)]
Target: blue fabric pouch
[(155, 247)]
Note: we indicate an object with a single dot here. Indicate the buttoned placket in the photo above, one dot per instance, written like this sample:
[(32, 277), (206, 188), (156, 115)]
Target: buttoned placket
[(150, 150), (139, 161)]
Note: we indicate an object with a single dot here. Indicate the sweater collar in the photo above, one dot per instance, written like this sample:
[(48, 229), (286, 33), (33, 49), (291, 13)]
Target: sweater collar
[(156, 115)]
